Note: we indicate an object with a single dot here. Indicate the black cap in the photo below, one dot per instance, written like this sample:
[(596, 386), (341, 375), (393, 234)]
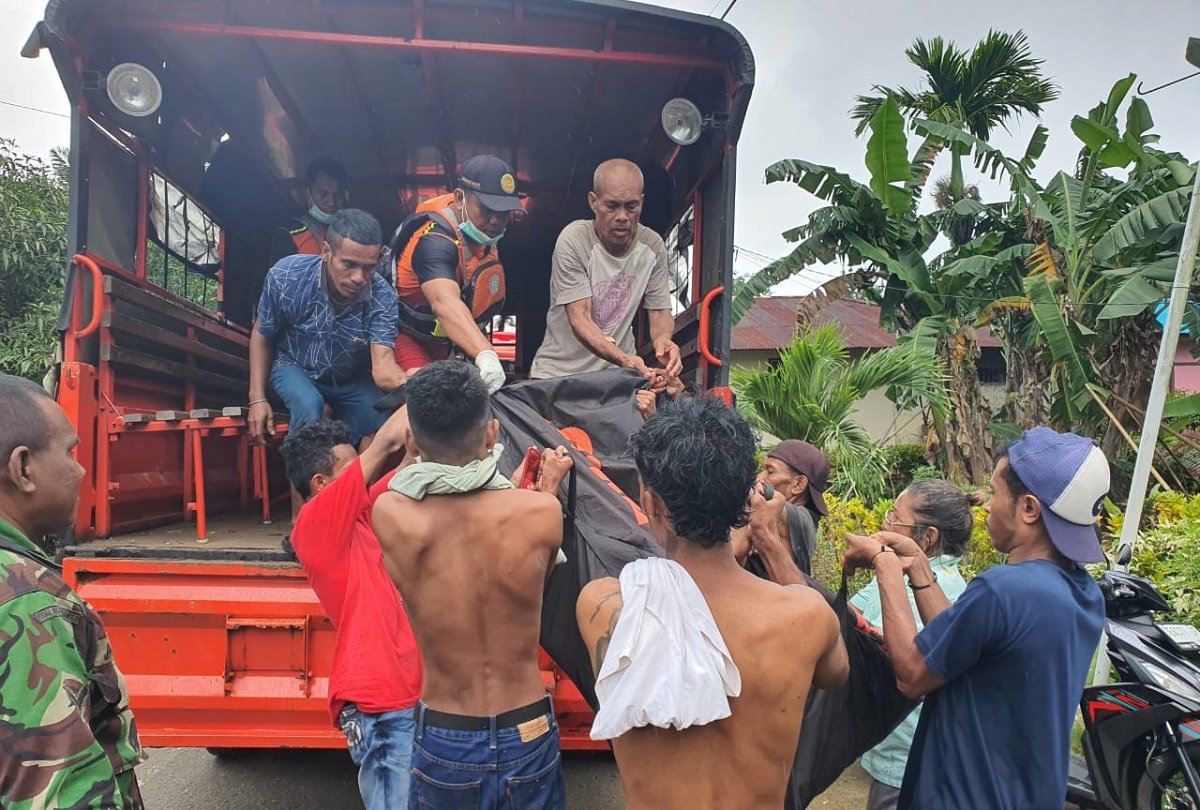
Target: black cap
[(493, 181)]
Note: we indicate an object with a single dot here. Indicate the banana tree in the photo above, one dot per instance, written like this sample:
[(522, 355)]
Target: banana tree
[(813, 393), (876, 228), (1100, 248)]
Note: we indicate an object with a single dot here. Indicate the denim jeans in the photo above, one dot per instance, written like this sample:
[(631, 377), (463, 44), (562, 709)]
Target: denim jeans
[(352, 402), (381, 747), (487, 770)]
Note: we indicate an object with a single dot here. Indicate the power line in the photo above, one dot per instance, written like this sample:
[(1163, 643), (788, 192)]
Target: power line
[(731, 5), (33, 109)]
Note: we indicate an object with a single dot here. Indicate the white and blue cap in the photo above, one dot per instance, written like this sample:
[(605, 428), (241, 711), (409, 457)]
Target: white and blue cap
[(1069, 475)]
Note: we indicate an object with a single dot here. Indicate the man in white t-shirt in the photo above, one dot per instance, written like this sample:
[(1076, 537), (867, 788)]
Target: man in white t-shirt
[(602, 270)]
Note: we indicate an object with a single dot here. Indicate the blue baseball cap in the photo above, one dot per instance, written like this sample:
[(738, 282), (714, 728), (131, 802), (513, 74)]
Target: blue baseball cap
[(1069, 475)]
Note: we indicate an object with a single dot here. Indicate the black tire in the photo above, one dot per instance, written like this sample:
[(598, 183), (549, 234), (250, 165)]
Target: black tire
[(1164, 772), (230, 754)]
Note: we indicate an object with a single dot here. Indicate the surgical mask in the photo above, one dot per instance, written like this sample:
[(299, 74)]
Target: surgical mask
[(320, 216), (474, 234)]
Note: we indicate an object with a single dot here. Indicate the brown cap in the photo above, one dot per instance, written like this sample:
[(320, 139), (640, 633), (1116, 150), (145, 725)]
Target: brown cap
[(809, 462)]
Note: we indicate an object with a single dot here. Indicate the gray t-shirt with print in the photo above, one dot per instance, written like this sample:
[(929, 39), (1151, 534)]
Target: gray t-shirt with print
[(582, 268)]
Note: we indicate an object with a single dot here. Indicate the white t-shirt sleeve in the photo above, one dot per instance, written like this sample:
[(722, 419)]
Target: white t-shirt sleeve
[(658, 290), (569, 279)]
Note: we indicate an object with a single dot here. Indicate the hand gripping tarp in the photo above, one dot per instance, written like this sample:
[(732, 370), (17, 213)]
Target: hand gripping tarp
[(593, 415)]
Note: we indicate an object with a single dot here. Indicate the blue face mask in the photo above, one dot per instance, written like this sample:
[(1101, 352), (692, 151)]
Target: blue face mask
[(474, 234), (320, 216)]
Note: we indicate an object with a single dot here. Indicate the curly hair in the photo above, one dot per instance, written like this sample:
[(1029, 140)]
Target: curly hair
[(698, 455), (308, 451)]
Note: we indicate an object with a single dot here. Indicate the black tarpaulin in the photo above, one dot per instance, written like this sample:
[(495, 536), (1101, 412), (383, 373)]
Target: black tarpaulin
[(840, 725), (593, 415)]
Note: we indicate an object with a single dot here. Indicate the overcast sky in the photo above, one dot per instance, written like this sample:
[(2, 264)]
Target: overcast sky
[(813, 57)]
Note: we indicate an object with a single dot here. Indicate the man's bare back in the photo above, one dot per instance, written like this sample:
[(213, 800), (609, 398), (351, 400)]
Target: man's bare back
[(783, 640), (472, 568)]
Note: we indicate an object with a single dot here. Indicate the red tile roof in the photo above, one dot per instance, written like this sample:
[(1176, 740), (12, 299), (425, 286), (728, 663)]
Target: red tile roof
[(771, 323)]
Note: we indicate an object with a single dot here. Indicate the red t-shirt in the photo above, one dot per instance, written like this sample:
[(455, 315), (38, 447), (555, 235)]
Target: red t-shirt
[(376, 663)]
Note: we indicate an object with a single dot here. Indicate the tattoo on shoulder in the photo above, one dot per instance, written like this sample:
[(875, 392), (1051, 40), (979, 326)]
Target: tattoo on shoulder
[(606, 638), (600, 604)]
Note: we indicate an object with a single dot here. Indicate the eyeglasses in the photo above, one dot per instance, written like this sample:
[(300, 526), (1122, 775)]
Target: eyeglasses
[(890, 520)]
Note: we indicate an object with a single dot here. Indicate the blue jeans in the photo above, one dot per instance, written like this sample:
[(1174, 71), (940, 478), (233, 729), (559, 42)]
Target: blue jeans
[(487, 770), (351, 402), (381, 747)]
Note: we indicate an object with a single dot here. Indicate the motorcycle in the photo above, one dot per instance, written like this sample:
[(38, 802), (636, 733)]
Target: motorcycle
[(1141, 740)]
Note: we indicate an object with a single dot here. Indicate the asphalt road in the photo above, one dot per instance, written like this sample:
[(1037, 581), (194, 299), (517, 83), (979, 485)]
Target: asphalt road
[(193, 779)]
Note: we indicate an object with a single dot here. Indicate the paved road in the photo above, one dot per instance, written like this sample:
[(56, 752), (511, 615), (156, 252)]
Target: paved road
[(192, 779)]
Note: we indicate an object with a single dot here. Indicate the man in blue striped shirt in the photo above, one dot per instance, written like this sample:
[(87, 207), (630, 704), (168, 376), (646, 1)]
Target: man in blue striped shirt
[(326, 332)]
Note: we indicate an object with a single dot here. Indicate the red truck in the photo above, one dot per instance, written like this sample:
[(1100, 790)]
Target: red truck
[(192, 121)]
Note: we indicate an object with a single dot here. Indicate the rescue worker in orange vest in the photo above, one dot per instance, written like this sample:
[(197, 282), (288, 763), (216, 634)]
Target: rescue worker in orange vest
[(325, 191), (449, 279)]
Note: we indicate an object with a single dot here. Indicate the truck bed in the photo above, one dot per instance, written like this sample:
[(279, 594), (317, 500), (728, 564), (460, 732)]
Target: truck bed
[(236, 536)]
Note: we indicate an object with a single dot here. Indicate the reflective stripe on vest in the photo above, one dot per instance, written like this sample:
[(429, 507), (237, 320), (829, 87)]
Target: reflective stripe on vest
[(480, 277), (306, 242)]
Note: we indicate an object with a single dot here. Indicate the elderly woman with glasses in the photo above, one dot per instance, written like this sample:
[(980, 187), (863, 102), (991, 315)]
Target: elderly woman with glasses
[(937, 516)]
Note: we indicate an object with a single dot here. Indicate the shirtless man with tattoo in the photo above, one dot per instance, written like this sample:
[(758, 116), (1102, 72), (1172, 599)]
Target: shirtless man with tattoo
[(697, 467)]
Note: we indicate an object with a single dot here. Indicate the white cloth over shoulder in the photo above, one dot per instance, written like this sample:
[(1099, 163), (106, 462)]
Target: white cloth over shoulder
[(667, 664)]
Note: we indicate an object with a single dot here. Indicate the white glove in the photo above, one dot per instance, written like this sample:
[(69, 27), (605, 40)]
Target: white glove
[(490, 369)]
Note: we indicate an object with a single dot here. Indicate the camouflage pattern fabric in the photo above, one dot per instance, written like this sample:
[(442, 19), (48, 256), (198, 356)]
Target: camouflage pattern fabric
[(67, 735)]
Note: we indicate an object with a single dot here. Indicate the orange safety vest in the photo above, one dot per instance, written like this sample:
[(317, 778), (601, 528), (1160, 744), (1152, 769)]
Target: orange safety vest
[(306, 240), (479, 273)]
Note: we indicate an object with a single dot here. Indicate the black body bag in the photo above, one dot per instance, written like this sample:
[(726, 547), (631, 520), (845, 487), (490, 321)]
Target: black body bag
[(840, 725)]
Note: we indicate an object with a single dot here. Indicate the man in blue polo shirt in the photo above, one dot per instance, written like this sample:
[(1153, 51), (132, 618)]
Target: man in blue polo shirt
[(326, 332), (1004, 666)]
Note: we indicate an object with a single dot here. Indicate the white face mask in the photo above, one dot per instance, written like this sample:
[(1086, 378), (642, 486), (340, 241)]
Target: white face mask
[(320, 216), (475, 234)]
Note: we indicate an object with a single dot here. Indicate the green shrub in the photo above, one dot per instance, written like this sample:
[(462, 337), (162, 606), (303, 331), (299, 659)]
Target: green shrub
[(1166, 552), (852, 516), (902, 462)]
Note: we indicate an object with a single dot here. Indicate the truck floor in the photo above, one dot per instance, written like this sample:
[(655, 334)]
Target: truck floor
[(231, 536)]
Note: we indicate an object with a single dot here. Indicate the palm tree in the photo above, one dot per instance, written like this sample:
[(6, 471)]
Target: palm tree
[(813, 391), (978, 90)]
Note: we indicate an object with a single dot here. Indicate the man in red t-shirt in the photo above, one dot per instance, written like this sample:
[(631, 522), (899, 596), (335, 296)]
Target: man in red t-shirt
[(376, 677)]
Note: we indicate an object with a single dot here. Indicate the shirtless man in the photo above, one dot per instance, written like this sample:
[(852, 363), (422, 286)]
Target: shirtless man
[(696, 462), (470, 555)]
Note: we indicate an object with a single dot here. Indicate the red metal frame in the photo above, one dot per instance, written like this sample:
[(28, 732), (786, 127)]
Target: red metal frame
[(244, 703), (143, 223), (216, 654), (97, 310), (422, 44), (706, 325)]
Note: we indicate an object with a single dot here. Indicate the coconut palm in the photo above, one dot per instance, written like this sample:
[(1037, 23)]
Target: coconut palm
[(813, 391), (978, 90), (934, 302)]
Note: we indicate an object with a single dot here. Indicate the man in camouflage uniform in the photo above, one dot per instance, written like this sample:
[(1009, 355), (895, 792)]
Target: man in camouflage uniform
[(67, 736)]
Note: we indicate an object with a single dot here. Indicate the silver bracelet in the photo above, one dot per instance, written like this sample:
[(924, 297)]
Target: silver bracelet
[(255, 402)]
